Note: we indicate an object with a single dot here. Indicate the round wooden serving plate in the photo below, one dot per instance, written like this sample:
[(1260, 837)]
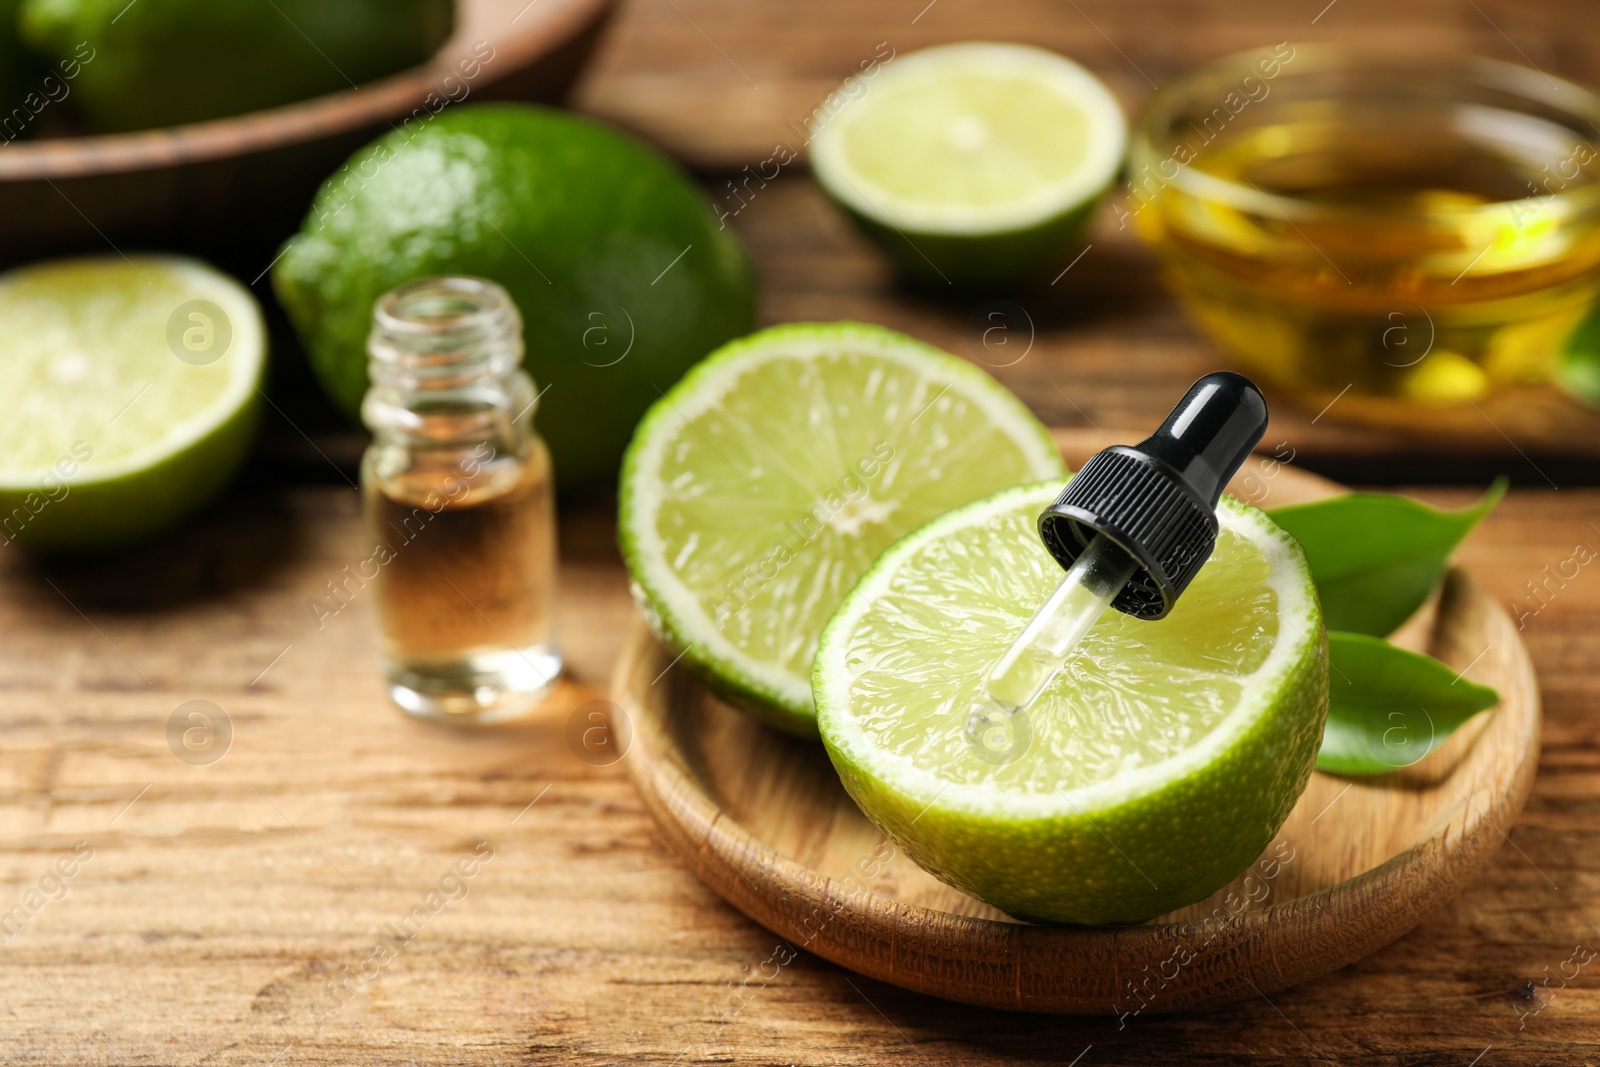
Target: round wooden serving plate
[(234, 188), (763, 820)]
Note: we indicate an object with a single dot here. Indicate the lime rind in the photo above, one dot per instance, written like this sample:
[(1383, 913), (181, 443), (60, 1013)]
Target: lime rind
[(780, 697), (1145, 856), (1102, 149), (108, 513), (1138, 844)]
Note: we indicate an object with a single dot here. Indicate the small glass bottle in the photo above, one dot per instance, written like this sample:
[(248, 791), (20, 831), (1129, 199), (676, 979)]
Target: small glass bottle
[(459, 503)]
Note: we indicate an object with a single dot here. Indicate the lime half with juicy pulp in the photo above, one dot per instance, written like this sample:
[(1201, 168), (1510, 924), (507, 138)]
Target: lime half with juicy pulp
[(971, 164), (765, 483), (128, 396), (1161, 761)]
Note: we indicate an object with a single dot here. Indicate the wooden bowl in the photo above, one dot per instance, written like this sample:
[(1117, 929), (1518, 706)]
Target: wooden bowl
[(232, 189), (763, 820)]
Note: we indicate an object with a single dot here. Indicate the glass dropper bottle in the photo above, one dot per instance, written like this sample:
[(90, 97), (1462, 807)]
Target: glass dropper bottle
[(1132, 529)]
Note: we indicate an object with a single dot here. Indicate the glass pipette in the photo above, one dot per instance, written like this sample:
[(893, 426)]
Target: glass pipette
[(1132, 529)]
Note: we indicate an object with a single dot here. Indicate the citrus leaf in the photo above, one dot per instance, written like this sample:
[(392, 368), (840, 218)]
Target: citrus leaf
[(1578, 370), (1376, 557), (1388, 707)]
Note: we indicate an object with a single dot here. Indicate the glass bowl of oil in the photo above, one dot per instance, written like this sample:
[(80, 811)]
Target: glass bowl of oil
[(1413, 235)]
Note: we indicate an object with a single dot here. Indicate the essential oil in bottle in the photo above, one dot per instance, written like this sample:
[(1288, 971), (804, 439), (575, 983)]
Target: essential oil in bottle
[(460, 505)]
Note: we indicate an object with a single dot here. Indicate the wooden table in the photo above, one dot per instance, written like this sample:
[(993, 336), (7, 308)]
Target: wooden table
[(213, 907)]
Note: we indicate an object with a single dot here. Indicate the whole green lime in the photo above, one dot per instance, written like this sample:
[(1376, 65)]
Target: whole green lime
[(614, 257), (164, 62)]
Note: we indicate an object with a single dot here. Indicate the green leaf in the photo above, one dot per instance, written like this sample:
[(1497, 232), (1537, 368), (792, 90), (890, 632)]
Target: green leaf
[(1578, 370), (1388, 708), (1375, 557)]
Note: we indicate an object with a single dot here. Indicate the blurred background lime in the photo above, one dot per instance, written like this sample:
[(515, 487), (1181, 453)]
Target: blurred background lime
[(129, 395), (165, 62), (972, 165), (622, 272)]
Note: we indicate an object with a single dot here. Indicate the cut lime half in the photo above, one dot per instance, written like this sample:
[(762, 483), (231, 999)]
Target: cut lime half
[(128, 395), (766, 482), (971, 163), (1162, 761)]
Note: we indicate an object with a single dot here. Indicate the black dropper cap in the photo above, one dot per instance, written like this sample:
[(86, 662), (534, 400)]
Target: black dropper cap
[(1158, 500)]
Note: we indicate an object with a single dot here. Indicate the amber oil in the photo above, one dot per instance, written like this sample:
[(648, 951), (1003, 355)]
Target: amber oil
[(1402, 232)]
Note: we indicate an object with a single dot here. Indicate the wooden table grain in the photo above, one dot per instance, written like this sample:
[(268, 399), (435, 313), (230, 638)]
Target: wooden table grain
[(343, 886), (237, 911)]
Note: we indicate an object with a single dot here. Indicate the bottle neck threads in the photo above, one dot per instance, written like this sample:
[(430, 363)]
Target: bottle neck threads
[(445, 360)]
